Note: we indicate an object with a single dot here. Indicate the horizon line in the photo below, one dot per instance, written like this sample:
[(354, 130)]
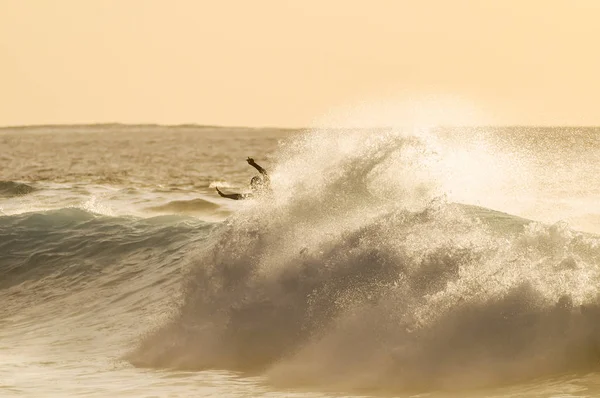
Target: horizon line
[(223, 126)]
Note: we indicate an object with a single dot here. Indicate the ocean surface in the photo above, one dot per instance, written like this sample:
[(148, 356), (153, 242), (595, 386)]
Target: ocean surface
[(448, 262)]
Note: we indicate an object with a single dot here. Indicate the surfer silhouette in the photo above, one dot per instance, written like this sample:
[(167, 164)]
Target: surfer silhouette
[(257, 183)]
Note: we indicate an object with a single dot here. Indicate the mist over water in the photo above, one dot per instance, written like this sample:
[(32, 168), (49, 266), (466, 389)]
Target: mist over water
[(383, 261)]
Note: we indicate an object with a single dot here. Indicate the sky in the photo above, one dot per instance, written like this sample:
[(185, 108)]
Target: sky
[(300, 63)]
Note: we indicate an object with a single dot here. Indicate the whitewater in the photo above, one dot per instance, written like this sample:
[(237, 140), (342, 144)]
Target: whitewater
[(441, 262)]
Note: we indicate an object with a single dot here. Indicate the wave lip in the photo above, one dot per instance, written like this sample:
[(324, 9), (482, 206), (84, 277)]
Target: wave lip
[(11, 188)]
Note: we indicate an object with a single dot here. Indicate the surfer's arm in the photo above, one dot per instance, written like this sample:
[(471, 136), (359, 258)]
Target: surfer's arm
[(234, 196), (252, 163)]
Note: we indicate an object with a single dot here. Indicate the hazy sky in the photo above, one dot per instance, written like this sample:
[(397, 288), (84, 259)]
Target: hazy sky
[(294, 63)]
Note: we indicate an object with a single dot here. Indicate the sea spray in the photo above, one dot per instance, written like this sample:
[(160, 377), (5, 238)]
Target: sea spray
[(356, 272)]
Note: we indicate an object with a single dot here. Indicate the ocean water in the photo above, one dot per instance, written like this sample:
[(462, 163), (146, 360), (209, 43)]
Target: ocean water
[(426, 263)]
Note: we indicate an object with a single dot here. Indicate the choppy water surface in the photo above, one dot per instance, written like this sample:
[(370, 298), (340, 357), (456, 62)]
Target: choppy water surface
[(443, 263)]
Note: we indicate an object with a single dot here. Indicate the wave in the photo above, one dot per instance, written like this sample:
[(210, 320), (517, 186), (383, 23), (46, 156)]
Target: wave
[(71, 245), (10, 188), (357, 273), (193, 206)]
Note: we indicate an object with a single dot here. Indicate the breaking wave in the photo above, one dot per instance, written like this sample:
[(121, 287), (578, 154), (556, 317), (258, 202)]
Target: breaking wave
[(358, 273)]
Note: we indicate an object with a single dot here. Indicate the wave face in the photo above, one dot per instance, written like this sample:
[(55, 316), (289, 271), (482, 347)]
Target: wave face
[(10, 188), (65, 249), (357, 273)]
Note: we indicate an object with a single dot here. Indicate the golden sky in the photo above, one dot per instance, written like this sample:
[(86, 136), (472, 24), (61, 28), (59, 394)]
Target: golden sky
[(294, 63)]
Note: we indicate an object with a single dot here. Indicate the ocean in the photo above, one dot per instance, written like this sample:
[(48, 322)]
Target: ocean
[(441, 262)]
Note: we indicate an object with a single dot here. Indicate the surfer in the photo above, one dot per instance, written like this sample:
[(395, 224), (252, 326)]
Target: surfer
[(257, 183)]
